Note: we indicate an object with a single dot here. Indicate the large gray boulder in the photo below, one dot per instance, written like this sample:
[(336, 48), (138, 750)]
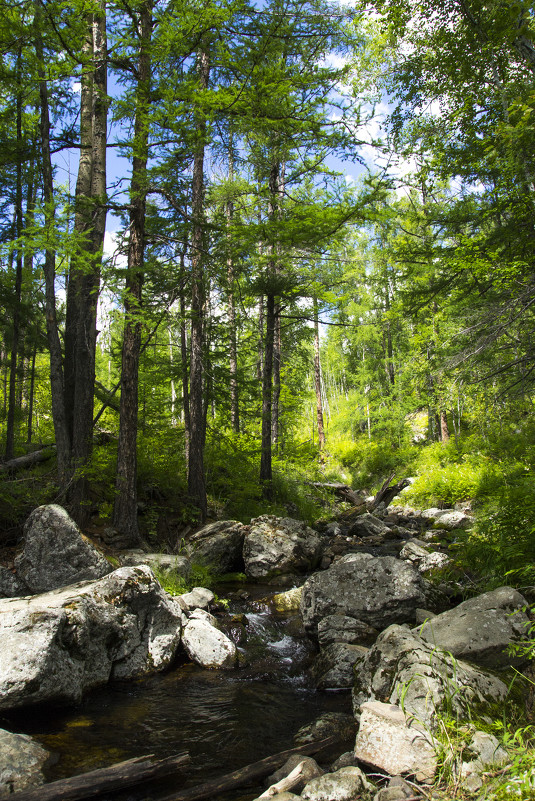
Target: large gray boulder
[(206, 645), (375, 590), (21, 762), (56, 553), (219, 545), (481, 629), (277, 546), (405, 670), (58, 645)]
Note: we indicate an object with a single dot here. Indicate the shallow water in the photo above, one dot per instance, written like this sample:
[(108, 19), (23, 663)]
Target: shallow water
[(224, 719)]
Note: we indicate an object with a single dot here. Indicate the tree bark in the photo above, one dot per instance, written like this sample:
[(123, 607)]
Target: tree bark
[(31, 393), (233, 348), (260, 352), (267, 376), (248, 774), (196, 477), (317, 377), (277, 357), (125, 507), (185, 375), (130, 773), (270, 345), (444, 430), (13, 362), (49, 268), (84, 279)]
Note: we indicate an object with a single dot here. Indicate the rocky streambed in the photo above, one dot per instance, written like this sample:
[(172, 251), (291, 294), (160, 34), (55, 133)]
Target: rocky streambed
[(362, 618)]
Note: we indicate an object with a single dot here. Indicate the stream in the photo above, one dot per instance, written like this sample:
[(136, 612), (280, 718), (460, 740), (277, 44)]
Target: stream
[(225, 719)]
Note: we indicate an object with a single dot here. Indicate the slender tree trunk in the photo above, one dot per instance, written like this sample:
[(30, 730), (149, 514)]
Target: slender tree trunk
[(260, 356), (275, 402), (4, 382), (317, 377), (277, 189), (265, 457), (233, 354), (125, 508), (389, 349), (196, 477), (444, 430), (31, 397), (172, 370), (12, 398), (185, 375), (49, 268), (271, 346)]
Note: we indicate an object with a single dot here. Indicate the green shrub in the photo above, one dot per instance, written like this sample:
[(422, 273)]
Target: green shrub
[(369, 462), (445, 486), (501, 549)]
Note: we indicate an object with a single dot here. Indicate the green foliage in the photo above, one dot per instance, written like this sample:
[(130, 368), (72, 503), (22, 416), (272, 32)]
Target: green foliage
[(370, 462), (445, 486), (172, 582), (232, 479), (501, 549), (19, 495)]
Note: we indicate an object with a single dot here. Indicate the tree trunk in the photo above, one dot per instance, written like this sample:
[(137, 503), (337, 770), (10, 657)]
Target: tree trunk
[(90, 221), (185, 376), (13, 362), (31, 392), (271, 347), (233, 349), (125, 508), (317, 377), (260, 356), (444, 430), (82, 222), (196, 478), (265, 458), (277, 357), (172, 371), (49, 268)]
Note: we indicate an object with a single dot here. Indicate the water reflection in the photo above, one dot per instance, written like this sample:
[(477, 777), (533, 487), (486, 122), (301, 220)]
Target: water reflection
[(224, 719)]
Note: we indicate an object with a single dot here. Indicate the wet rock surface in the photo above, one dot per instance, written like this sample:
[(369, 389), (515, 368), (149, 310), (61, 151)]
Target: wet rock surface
[(21, 762), (370, 580)]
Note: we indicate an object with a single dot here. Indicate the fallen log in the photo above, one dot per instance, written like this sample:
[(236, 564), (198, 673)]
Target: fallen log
[(343, 491), (28, 460), (248, 774), (104, 780), (388, 492), (288, 783)]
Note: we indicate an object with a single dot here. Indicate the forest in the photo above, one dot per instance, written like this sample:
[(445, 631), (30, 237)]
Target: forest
[(246, 247)]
